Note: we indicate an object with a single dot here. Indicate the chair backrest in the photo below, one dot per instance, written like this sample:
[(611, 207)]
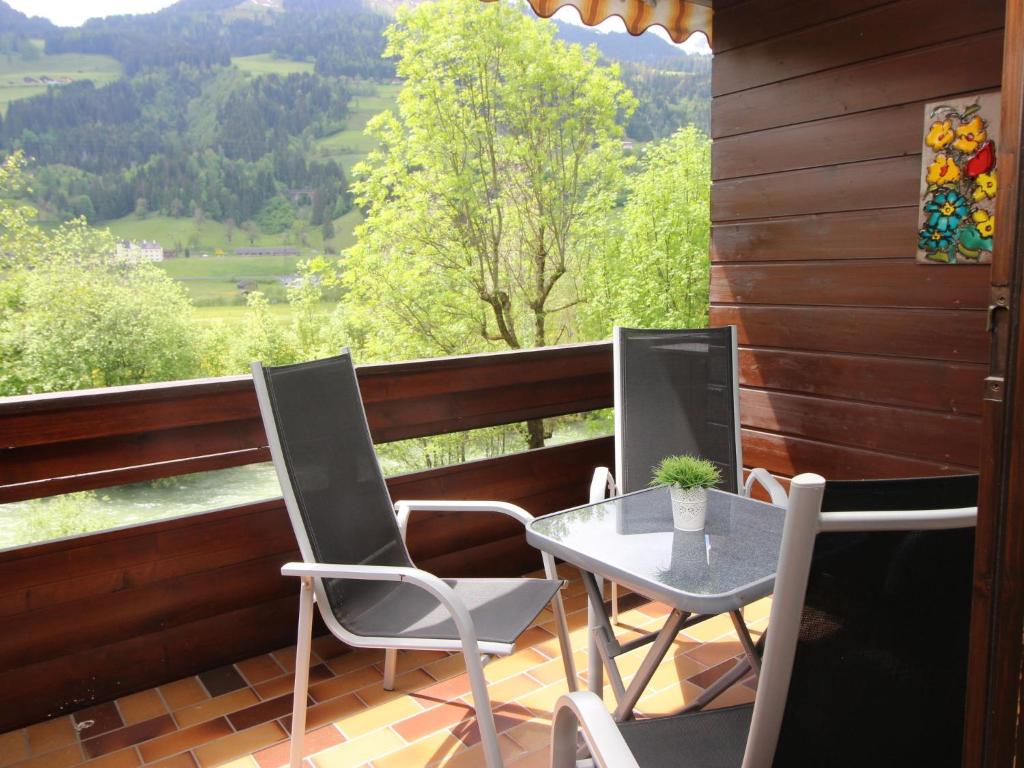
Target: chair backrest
[(879, 658), (675, 392), (330, 478)]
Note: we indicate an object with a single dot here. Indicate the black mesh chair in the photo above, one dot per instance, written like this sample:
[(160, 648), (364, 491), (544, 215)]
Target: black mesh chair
[(866, 660), (356, 566), (676, 391)]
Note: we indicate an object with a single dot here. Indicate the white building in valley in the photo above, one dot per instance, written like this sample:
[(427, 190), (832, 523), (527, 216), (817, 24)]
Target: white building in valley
[(136, 252)]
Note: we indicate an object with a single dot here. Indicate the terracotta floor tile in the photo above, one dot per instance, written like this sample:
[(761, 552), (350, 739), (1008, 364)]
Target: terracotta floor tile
[(222, 680), (671, 671), (499, 669), (328, 712), (260, 668), (446, 667), (711, 629), (211, 708), (359, 751), (50, 735), (708, 676), (448, 716), (538, 759), (286, 658), (182, 693), (710, 654), (263, 712), (144, 705), (356, 659), (126, 758), (539, 639), (337, 686), (184, 760), (737, 694), (271, 689), (64, 757), (506, 717), (444, 690), (473, 757), (410, 682), (669, 700), (509, 689), (380, 716), (531, 735), (424, 752), (237, 745), (13, 747), (97, 719), (315, 741), (184, 740), (128, 736), (542, 701), (328, 646)]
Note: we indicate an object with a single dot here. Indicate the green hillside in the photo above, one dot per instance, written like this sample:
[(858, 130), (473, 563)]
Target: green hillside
[(268, 64), (76, 66)]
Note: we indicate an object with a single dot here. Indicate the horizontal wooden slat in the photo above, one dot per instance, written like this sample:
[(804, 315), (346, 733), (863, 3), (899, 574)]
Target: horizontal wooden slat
[(845, 139), (913, 76), (855, 284), (755, 20), (875, 234), (880, 31), (856, 186), (937, 386), (87, 440), (939, 437), (916, 333), (786, 455)]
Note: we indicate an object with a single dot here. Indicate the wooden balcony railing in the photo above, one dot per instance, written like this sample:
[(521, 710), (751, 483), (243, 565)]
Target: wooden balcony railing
[(93, 617)]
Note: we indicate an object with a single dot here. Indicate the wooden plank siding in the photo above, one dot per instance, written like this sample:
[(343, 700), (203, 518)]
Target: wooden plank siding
[(90, 618), (854, 360)]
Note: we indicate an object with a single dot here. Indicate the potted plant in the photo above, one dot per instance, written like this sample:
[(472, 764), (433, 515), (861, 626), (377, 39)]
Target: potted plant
[(688, 479)]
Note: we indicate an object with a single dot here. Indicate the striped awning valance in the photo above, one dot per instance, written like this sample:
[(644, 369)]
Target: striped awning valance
[(680, 18)]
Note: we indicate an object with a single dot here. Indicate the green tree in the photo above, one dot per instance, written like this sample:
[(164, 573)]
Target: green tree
[(655, 268), (72, 316), (491, 188)]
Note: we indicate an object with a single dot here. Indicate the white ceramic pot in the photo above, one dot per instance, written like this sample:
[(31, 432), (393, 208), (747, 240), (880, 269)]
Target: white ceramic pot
[(689, 508)]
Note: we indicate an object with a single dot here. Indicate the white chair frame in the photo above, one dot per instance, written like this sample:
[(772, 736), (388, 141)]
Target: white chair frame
[(477, 653), (804, 521)]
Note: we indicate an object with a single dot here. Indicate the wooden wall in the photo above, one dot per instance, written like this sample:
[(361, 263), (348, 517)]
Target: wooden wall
[(855, 361)]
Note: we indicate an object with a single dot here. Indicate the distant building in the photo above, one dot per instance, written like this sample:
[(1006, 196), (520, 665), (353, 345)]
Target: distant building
[(627, 144), (133, 252), (272, 251)]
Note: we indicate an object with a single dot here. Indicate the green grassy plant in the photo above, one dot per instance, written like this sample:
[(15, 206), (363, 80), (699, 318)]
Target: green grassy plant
[(686, 472)]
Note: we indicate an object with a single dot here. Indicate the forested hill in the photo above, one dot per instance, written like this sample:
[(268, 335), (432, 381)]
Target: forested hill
[(187, 133)]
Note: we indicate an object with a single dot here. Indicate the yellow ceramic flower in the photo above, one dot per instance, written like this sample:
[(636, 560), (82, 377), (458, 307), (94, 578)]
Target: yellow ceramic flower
[(986, 223), (986, 186), (970, 135), (940, 134), (943, 171)]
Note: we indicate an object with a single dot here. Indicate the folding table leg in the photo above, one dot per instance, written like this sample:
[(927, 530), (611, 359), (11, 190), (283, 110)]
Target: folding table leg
[(624, 709)]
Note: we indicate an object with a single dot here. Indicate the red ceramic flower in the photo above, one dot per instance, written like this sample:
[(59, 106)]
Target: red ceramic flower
[(982, 161)]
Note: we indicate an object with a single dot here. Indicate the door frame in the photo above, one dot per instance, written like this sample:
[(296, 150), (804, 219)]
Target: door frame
[(994, 703)]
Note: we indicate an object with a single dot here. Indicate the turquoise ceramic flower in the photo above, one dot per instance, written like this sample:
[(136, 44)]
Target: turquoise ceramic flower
[(946, 210)]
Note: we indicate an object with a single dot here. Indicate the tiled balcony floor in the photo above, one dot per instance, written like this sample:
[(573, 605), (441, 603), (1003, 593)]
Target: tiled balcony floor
[(239, 715)]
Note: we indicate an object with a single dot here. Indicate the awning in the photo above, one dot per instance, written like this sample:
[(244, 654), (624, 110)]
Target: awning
[(680, 18)]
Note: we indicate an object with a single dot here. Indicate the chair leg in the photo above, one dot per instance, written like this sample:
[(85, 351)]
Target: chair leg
[(615, 603), (561, 626), (482, 705), (390, 668), (305, 632)]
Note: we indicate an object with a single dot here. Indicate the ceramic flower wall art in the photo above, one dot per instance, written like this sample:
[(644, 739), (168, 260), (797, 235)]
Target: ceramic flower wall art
[(959, 181)]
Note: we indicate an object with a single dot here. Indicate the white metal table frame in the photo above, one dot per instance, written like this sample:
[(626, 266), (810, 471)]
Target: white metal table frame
[(604, 647)]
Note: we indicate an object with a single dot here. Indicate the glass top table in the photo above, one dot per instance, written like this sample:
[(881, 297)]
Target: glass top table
[(630, 539)]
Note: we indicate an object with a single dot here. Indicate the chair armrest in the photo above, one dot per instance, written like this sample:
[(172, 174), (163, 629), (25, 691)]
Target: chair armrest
[(764, 478), (404, 510), (585, 711), (602, 485), (422, 579)]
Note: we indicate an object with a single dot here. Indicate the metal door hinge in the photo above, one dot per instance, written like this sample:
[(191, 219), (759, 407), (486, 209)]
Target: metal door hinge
[(994, 387)]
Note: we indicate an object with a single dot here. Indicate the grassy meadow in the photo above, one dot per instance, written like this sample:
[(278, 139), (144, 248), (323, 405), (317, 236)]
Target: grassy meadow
[(268, 64), (76, 66)]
